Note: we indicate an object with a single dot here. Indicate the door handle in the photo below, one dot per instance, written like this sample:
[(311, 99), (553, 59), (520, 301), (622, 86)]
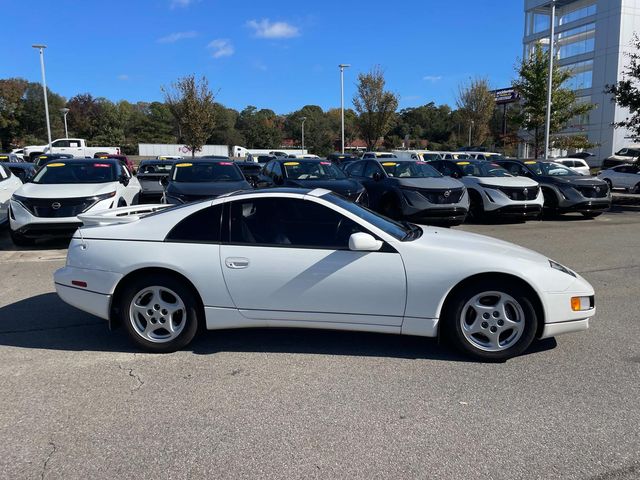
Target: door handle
[(236, 263)]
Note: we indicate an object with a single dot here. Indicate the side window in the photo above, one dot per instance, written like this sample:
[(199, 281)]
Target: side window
[(202, 226), (75, 144), (371, 168), (60, 143), (124, 170), (289, 222), (277, 169), (356, 169), (267, 170)]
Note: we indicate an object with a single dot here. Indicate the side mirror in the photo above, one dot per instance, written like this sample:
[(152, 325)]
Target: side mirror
[(124, 180), (278, 180), (363, 242), (164, 181), (377, 176)]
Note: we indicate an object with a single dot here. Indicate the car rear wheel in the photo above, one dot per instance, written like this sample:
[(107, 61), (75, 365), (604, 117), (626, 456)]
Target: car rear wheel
[(491, 321), (160, 313)]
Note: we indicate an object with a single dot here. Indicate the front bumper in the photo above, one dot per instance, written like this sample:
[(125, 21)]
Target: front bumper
[(555, 329), (439, 216), (520, 211), (586, 206)]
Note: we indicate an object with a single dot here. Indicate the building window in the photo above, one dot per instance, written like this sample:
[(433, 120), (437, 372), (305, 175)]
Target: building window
[(582, 75), (576, 41), (538, 22), (576, 14)]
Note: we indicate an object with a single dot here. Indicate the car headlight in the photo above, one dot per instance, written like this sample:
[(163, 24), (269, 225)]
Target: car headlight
[(561, 268), (104, 196)]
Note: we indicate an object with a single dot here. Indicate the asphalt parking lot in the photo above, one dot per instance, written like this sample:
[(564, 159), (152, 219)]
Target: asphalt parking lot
[(79, 402)]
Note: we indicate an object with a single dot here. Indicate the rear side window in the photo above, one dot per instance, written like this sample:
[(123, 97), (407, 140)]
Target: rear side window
[(202, 226), (356, 170)]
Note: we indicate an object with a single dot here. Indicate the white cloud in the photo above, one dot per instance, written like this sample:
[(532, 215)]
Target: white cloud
[(177, 36), (221, 48), (265, 28), (181, 3), (123, 76), (432, 78)]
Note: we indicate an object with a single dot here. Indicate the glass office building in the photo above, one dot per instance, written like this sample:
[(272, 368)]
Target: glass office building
[(591, 39)]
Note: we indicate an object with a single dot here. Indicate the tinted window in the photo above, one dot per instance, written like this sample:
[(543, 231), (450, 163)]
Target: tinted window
[(478, 168), (200, 227), (371, 168), (57, 172), (156, 168), (410, 170), (356, 169), (289, 222), (447, 168), (312, 171), (277, 169), (207, 172)]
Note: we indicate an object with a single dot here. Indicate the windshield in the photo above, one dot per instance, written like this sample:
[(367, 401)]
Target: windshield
[(552, 169), (313, 171), (399, 231), (385, 155), (201, 172), (410, 170), (629, 152), (431, 156), (155, 168), (76, 172), (476, 168)]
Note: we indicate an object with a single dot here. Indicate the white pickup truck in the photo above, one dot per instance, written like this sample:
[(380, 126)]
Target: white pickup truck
[(74, 146)]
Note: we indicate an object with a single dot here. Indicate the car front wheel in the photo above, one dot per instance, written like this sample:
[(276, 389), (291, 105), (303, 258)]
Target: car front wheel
[(493, 321), (160, 314)]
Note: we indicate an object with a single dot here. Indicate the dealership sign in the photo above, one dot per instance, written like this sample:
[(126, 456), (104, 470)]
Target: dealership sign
[(505, 95)]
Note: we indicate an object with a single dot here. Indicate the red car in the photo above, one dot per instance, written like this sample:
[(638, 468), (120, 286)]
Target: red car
[(123, 159)]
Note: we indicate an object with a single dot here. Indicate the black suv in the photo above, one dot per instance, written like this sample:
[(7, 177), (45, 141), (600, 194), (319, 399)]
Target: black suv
[(564, 189)]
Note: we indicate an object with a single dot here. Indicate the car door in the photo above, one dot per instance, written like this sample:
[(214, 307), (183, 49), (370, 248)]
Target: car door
[(288, 259), (627, 176), (5, 192)]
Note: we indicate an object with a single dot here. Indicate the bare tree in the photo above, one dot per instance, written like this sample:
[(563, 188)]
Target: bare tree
[(375, 106), (477, 104), (193, 106)]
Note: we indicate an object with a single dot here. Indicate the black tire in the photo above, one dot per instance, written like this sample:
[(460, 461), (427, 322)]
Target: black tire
[(609, 184), (453, 320), (190, 317), (390, 208), (636, 189), (591, 214), (476, 206), (20, 240)]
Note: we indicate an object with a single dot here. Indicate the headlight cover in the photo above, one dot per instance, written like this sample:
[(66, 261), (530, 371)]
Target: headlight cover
[(561, 268)]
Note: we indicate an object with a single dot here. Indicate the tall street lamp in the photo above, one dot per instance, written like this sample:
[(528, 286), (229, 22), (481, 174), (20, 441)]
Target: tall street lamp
[(64, 114), (342, 66), (547, 132), (44, 89), (470, 128), (304, 119)]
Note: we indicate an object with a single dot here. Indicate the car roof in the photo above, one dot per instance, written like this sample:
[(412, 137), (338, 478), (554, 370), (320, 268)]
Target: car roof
[(112, 161)]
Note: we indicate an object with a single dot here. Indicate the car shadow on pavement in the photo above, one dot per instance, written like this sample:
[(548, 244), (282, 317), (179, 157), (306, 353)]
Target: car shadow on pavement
[(45, 322)]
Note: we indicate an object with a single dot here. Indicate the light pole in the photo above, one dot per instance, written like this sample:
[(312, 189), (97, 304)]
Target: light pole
[(304, 119), (470, 128), (44, 89), (64, 114), (342, 66), (547, 132)]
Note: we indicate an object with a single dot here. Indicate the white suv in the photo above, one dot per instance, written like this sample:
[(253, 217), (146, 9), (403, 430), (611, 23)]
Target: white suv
[(493, 190), (50, 203), (623, 176), (575, 164)]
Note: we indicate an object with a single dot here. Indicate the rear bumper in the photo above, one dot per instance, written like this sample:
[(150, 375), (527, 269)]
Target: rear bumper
[(91, 302)]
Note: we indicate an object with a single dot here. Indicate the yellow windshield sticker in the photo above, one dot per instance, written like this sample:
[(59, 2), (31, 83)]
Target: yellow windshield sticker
[(3, 157), (291, 164), (389, 164), (42, 157), (56, 164), (184, 164), (464, 163), (530, 163)]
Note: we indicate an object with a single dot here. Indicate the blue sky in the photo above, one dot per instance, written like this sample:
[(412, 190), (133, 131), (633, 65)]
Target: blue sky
[(279, 54)]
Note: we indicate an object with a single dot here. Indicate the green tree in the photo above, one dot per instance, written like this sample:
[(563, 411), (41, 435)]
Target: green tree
[(476, 103), (375, 106), (319, 134), (350, 126), (11, 92), (260, 128), (532, 86), (226, 132), (192, 104), (626, 93), (31, 116)]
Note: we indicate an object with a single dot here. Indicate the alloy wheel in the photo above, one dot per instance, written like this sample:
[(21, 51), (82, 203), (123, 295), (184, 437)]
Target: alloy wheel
[(157, 314)]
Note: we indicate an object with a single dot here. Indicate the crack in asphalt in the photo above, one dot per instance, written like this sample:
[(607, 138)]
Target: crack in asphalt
[(46, 461), (612, 269), (46, 329), (133, 375)]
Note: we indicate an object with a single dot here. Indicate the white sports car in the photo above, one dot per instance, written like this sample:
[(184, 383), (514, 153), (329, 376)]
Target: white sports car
[(312, 259), (49, 204)]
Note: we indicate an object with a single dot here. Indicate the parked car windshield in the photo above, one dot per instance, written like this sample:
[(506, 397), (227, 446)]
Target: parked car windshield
[(160, 167), (313, 171), (410, 170), (478, 168), (628, 152), (551, 168), (206, 172), (400, 231), (76, 172)]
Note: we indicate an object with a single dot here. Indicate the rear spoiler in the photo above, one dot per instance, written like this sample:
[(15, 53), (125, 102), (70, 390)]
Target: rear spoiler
[(119, 215)]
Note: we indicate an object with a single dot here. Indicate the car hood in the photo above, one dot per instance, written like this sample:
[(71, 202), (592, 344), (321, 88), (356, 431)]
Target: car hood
[(579, 181), (472, 243), (213, 189), (65, 190), (441, 182), (501, 181), (345, 187)]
